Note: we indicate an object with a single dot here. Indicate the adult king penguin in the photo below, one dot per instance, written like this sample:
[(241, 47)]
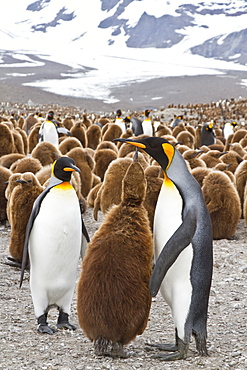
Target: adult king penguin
[(54, 240), (183, 248), (49, 130), (120, 121), (144, 127)]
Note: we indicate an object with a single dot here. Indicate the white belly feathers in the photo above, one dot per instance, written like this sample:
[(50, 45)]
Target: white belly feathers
[(176, 287)]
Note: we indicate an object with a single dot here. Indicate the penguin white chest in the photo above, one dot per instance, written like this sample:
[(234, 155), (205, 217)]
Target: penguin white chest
[(120, 122), (147, 127), (176, 286), (50, 133), (54, 248), (168, 215), (228, 130)]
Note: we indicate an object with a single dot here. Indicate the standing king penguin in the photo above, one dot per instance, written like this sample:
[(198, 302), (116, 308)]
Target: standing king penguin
[(55, 235), (183, 248), (49, 130)]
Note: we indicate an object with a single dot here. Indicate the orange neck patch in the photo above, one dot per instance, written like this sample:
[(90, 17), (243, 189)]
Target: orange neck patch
[(167, 182), (64, 186)]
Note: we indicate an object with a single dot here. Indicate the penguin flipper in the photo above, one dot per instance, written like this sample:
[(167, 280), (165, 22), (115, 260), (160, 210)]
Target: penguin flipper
[(174, 246), (85, 239), (63, 130), (84, 231), (34, 213)]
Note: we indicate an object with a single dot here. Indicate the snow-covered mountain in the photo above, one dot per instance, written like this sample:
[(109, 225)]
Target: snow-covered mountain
[(112, 42)]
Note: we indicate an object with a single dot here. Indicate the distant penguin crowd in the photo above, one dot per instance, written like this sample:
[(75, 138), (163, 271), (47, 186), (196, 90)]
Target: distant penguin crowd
[(168, 182)]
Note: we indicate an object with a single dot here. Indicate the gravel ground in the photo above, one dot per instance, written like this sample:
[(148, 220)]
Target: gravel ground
[(22, 347)]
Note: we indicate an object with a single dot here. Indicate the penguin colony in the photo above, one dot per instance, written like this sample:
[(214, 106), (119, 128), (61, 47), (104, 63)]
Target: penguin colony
[(209, 147)]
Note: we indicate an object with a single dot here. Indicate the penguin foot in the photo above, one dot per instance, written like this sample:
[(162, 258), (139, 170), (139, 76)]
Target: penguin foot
[(12, 262), (43, 327), (63, 322), (162, 347), (201, 347), (179, 353)]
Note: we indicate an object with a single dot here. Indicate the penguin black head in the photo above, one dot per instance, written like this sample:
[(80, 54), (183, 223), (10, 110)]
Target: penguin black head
[(50, 115), (147, 112), (127, 119), (118, 112), (209, 126), (63, 167), (160, 149)]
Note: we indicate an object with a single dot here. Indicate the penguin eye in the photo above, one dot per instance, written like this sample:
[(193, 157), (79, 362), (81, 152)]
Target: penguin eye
[(29, 180)]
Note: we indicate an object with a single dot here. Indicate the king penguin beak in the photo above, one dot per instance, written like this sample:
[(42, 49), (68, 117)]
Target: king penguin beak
[(72, 169), (132, 142)]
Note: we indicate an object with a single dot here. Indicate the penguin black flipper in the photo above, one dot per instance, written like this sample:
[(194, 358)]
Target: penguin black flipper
[(34, 213), (41, 133), (174, 246), (84, 231), (85, 239), (63, 130)]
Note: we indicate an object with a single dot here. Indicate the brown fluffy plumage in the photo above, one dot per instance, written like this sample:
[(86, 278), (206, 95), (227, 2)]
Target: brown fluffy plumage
[(7, 159), (24, 139), (107, 145), (7, 140), (191, 156), (113, 131), (27, 164), (223, 203), (69, 143), (232, 157), (29, 122), (44, 174), (111, 190), (142, 159), (93, 136), (186, 138), (78, 131), (224, 167), (238, 135), (177, 129), (182, 148), (21, 203), (92, 195), (200, 173), (126, 148), (68, 122), (86, 164), (113, 299), (46, 153), (103, 158), (211, 158), (18, 141), (154, 183), (86, 121), (33, 138), (245, 205), (5, 173), (236, 147), (162, 130), (241, 180)]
